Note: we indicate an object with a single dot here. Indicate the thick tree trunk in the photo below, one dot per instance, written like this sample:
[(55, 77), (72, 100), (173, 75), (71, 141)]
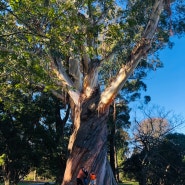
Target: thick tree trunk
[(88, 144)]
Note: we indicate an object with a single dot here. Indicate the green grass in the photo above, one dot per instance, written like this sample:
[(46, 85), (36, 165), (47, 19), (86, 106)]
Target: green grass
[(23, 183), (129, 183), (124, 183)]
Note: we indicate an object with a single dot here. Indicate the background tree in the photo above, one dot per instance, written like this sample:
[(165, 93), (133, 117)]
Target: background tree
[(29, 135), (164, 165), (57, 130), (152, 124), (65, 44), (154, 153), (118, 124)]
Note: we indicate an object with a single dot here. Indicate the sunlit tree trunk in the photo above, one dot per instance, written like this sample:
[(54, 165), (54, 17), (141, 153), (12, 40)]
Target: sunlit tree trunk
[(7, 181), (34, 175), (88, 143), (5, 174)]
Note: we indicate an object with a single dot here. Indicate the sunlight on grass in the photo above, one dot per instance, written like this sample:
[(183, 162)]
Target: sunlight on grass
[(129, 183)]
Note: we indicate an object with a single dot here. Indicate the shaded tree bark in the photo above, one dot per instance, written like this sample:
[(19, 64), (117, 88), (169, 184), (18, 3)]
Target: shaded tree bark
[(60, 123), (88, 143), (112, 148)]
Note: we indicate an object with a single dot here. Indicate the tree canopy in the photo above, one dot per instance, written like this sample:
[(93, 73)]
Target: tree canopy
[(31, 136), (37, 35)]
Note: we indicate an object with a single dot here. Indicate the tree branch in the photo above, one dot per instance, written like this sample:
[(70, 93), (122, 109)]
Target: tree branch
[(22, 32), (138, 52), (60, 73), (7, 50), (65, 80), (32, 29)]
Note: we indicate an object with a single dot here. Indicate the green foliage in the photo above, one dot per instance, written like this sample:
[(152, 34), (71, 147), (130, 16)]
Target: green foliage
[(129, 183), (118, 124), (163, 163), (34, 33), (2, 159), (30, 30), (29, 136)]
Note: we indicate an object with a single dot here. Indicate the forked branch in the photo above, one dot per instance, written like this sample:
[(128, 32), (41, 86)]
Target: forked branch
[(139, 51)]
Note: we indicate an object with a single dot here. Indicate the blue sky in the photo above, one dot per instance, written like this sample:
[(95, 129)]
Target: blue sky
[(166, 86)]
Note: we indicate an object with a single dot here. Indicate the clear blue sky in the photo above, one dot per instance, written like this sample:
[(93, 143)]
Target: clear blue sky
[(166, 86)]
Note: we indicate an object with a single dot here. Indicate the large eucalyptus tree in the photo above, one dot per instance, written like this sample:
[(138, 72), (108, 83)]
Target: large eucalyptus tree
[(68, 43)]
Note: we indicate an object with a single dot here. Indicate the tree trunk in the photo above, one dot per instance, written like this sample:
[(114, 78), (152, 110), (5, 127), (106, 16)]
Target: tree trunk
[(88, 143), (112, 148), (116, 165), (6, 174), (7, 182)]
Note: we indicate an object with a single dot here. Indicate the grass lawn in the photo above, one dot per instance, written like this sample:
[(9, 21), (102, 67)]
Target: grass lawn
[(25, 183), (124, 183), (129, 183)]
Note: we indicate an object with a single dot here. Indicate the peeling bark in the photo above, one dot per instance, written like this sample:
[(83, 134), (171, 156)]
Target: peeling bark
[(88, 144)]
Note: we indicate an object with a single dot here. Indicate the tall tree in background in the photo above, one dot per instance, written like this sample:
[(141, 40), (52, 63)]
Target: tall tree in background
[(67, 44), (30, 135), (153, 152), (118, 124), (153, 124), (163, 165)]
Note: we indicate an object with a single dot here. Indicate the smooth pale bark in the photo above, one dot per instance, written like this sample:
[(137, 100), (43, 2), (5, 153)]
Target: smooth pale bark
[(7, 182), (6, 178)]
